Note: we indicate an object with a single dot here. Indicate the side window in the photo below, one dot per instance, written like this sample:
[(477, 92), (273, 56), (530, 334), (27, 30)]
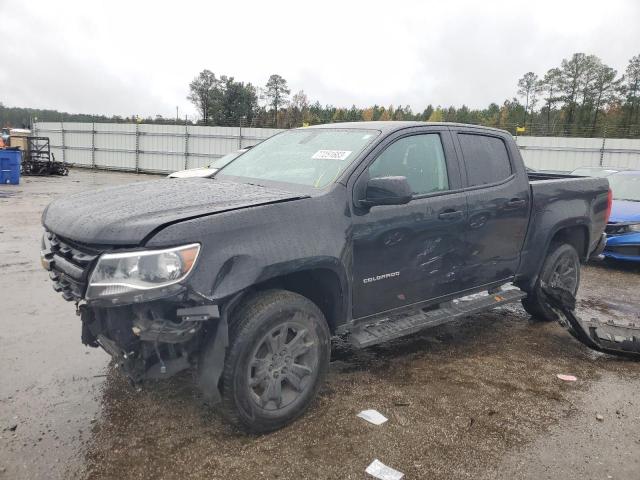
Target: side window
[(420, 158), (486, 159)]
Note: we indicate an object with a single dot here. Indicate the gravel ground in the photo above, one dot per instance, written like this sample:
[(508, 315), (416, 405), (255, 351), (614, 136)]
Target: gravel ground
[(478, 398)]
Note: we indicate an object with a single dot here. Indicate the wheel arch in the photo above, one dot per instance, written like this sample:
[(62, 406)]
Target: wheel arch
[(322, 283), (575, 234)]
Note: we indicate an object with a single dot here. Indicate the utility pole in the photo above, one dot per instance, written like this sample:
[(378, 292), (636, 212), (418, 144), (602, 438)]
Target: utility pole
[(604, 142), (177, 115)]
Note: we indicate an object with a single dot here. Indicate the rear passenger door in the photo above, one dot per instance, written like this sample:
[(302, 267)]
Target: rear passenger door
[(498, 204)]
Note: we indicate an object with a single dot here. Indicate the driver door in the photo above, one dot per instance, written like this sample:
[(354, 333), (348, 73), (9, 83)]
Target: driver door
[(404, 254)]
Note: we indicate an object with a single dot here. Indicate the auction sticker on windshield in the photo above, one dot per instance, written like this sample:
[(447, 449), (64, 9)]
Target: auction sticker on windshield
[(331, 154)]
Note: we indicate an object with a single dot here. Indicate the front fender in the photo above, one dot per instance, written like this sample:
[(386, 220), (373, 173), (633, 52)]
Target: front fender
[(243, 271), (250, 246)]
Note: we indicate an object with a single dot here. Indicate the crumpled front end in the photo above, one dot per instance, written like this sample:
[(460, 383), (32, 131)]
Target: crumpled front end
[(150, 333), (149, 341)]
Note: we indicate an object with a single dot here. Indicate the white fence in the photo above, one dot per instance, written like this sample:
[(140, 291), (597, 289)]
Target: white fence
[(145, 147), (167, 148), (568, 153)]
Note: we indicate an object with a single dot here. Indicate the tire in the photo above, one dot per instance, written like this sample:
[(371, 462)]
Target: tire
[(561, 261), (271, 377)]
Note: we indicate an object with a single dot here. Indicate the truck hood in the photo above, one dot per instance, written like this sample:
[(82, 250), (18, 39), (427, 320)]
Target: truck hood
[(624, 211), (127, 214)]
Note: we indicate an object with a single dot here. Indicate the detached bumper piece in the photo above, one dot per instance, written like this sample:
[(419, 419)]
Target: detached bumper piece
[(68, 265), (608, 337)]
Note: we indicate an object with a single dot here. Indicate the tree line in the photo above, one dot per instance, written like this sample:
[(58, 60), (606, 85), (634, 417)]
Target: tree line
[(582, 96)]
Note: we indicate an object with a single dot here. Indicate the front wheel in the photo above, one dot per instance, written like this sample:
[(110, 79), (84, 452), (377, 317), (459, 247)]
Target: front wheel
[(561, 269), (279, 350)]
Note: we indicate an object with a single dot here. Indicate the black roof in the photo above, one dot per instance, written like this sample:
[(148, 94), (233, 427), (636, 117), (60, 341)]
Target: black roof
[(391, 126)]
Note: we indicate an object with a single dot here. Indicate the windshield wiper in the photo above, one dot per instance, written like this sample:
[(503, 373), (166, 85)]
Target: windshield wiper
[(628, 199)]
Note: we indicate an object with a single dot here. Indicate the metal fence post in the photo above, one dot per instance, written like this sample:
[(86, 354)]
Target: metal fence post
[(604, 140), (240, 136), (137, 149), (62, 140), (93, 145), (186, 146)]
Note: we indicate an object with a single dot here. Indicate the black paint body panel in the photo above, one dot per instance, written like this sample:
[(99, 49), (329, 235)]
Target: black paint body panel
[(250, 234), (128, 214)]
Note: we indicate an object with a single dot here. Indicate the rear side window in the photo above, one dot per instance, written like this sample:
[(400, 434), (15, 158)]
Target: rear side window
[(486, 159)]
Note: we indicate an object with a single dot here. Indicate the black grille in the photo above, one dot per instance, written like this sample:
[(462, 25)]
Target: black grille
[(615, 228), (631, 250), (68, 264)]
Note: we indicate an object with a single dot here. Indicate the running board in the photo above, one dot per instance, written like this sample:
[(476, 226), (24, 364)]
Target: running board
[(399, 325)]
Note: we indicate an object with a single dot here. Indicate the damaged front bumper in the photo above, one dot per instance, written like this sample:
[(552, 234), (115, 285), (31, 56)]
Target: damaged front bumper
[(157, 340), (148, 341), (150, 334)]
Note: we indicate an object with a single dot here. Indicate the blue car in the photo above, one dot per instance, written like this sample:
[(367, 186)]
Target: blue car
[(623, 229)]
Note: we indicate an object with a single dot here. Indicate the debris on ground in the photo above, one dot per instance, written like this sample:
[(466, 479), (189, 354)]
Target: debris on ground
[(12, 428), (566, 378), (373, 416), (380, 470), (599, 417)]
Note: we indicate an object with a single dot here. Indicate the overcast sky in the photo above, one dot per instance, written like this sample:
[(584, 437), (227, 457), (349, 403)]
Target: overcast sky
[(136, 57)]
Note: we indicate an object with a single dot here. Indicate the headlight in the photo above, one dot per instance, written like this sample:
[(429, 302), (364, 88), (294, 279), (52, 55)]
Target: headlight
[(634, 227), (120, 273)]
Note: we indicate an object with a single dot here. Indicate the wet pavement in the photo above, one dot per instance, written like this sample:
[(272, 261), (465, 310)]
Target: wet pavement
[(478, 398)]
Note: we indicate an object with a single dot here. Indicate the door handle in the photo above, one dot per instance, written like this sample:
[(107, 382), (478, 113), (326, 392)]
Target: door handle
[(450, 215), (516, 202)]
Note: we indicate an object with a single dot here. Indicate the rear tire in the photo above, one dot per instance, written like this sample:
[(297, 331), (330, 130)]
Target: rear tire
[(278, 355), (561, 268)]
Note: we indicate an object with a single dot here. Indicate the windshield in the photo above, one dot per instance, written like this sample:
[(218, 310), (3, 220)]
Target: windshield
[(625, 187), (313, 157), (222, 161)]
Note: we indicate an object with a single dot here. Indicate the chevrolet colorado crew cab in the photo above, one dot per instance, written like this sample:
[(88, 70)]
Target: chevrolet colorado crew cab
[(369, 230)]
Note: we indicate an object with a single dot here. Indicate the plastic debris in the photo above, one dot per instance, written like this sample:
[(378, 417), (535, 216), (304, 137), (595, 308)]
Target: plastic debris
[(600, 417), (373, 416), (566, 378), (380, 470)]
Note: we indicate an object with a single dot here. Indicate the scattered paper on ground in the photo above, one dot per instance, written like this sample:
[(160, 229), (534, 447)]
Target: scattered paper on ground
[(566, 378), (381, 471), (373, 416)]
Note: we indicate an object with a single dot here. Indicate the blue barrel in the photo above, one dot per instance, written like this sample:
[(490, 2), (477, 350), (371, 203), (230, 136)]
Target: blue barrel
[(10, 166)]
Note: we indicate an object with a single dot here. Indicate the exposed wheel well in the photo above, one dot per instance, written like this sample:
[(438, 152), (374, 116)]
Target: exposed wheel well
[(320, 285), (577, 236)]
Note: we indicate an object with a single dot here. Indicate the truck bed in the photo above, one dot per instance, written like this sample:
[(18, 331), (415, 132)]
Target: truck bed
[(563, 201), (539, 175)]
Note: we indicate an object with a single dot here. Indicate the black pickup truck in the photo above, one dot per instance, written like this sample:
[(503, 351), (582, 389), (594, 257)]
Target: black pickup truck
[(369, 231)]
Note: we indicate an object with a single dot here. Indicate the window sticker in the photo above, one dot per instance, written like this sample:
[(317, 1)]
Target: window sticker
[(331, 154)]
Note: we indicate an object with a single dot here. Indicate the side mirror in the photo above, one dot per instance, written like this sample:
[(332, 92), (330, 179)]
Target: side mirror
[(387, 191)]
